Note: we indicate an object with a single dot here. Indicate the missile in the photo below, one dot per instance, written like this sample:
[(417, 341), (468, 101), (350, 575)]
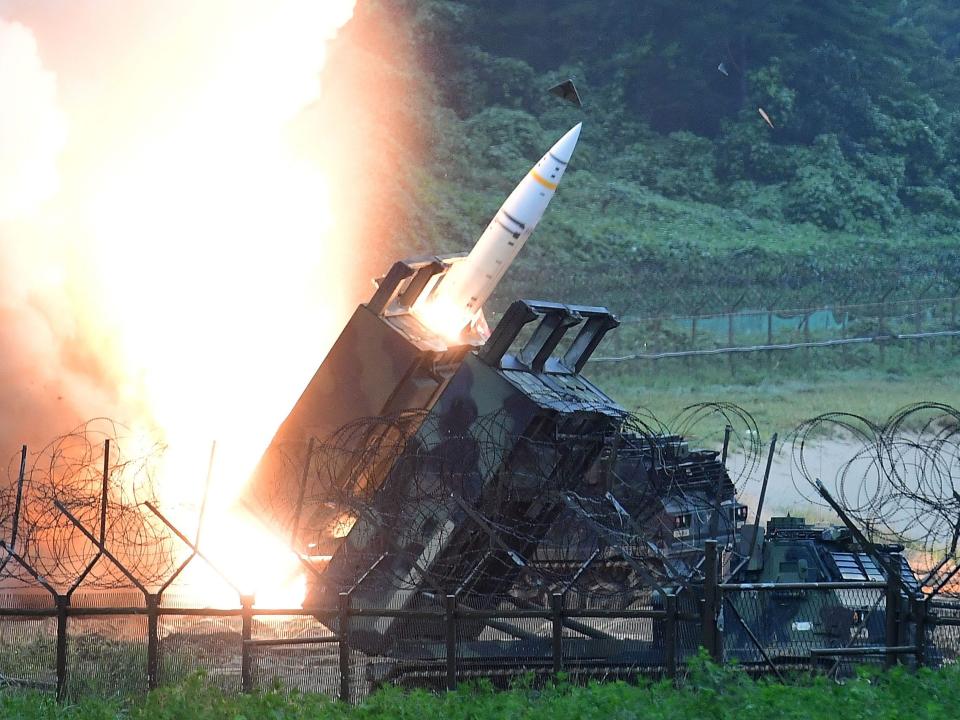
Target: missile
[(458, 298)]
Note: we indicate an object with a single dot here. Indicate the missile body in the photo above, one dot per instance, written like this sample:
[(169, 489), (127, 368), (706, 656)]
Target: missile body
[(458, 298)]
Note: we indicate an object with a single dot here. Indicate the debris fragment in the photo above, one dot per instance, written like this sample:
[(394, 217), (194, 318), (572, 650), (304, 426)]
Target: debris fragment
[(568, 91), (763, 114)]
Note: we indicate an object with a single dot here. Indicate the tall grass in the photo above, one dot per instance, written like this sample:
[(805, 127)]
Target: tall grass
[(708, 691)]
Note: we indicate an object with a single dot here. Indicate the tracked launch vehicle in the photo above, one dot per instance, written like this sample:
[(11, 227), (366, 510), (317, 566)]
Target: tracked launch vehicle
[(431, 467), (494, 472), (420, 463)]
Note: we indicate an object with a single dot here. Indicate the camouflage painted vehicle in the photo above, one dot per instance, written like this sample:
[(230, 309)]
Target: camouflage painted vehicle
[(413, 469), (790, 622), (384, 362), (466, 504)]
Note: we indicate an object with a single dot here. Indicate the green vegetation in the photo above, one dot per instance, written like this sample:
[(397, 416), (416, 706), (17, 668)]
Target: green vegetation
[(100, 666), (680, 196), (779, 401), (708, 692)]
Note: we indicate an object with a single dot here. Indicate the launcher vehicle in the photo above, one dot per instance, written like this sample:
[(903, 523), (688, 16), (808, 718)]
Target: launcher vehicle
[(427, 464), (414, 467), (790, 622)]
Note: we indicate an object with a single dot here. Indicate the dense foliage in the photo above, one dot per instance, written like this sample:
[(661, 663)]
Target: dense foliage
[(678, 181), (709, 692)]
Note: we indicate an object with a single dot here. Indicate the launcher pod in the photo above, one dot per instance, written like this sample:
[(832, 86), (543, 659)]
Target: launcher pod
[(476, 488), (384, 361)]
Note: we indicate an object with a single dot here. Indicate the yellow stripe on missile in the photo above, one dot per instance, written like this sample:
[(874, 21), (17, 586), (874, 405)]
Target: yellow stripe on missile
[(543, 181)]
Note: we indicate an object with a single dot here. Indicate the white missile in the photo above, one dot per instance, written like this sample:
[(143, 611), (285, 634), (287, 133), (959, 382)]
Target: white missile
[(460, 295)]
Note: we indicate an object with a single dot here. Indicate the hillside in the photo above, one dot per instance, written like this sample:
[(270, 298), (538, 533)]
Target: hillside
[(680, 195)]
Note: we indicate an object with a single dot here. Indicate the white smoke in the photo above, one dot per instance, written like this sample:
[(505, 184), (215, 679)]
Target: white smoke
[(32, 126), (33, 323), (152, 256)]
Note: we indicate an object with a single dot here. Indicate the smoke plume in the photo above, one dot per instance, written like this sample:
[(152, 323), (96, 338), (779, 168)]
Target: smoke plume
[(166, 237), (32, 318)]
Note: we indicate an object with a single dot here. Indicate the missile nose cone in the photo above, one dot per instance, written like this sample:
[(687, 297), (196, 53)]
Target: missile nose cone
[(563, 150)]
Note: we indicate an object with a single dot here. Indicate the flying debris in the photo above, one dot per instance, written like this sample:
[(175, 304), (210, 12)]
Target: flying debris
[(459, 296), (567, 91), (723, 69), (763, 114)]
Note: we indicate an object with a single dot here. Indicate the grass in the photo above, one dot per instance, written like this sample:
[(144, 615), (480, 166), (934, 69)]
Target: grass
[(97, 666), (781, 398), (708, 692)]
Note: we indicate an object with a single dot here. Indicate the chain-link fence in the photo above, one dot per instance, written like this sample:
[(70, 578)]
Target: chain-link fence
[(94, 602), (107, 643), (854, 330)]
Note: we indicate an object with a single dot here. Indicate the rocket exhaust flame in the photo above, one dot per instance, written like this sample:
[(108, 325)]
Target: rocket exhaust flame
[(177, 272), (170, 281), (458, 299)]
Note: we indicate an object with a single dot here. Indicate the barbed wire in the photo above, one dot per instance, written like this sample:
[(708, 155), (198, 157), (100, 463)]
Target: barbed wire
[(71, 471), (497, 506), (505, 506), (900, 481)]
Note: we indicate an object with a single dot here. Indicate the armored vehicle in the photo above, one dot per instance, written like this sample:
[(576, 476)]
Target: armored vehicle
[(789, 622)]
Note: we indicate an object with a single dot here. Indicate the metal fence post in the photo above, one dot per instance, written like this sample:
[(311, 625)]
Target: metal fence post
[(450, 613), (657, 327), (710, 600), (730, 319), (670, 635), (892, 630), (845, 314), (880, 328), (344, 623), (246, 674), (918, 325), (953, 321), (556, 606), (768, 356), (693, 340), (63, 609), (920, 631), (153, 641)]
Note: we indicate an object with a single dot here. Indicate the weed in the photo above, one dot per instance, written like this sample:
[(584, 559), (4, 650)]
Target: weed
[(708, 691)]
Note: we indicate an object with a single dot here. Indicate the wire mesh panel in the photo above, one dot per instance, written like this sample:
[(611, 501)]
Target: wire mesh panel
[(631, 649), (413, 650), (120, 598), (505, 648), (944, 644), (689, 640), (307, 667), (106, 656), (943, 634), (610, 645), (28, 651), (192, 643), (785, 625)]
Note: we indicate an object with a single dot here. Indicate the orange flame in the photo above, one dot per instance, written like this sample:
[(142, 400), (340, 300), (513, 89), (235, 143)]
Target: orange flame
[(194, 244)]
